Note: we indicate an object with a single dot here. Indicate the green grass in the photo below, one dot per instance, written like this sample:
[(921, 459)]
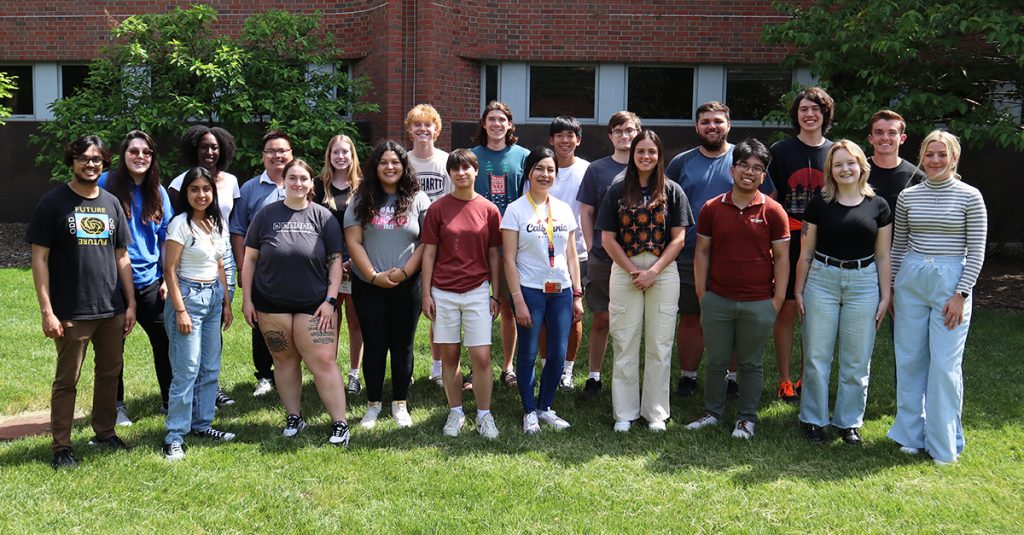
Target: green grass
[(587, 479)]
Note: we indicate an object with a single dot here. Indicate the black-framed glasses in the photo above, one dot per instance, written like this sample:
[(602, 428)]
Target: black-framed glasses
[(745, 167), (84, 160)]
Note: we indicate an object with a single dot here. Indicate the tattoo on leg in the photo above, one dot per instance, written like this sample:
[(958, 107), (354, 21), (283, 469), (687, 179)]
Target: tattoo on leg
[(276, 341), (318, 336)]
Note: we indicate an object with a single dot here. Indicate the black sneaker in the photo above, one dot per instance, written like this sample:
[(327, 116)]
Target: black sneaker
[(223, 399), (851, 436), (339, 434), (214, 434), (686, 386), (175, 451), (590, 389), (354, 386), (815, 433), (63, 459), (732, 389), (114, 443), (293, 425)]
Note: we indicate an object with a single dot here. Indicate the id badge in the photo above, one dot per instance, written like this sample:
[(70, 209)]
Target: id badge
[(346, 284), (552, 287)]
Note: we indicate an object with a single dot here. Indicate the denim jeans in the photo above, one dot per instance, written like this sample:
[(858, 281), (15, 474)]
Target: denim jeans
[(555, 312), (929, 357), (838, 303), (195, 359)]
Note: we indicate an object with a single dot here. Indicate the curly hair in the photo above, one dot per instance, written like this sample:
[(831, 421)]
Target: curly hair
[(370, 197), (193, 136)]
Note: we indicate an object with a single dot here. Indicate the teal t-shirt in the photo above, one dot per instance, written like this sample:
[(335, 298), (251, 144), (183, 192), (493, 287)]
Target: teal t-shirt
[(500, 174)]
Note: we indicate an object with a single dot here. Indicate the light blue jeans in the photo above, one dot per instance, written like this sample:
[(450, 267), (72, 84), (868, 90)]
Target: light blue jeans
[(838, 303), (929, 377), (195, 359)]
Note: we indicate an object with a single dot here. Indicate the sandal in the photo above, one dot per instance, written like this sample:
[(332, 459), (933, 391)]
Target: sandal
[(467, 381), (509, 378)]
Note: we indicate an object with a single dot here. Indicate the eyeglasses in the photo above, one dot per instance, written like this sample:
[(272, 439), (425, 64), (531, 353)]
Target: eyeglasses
[(276, 152), (136, 152), (624, 132), (745, 167), (84, 160)]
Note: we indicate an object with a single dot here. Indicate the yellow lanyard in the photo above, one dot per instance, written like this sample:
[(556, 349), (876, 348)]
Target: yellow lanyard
[(550, 228)]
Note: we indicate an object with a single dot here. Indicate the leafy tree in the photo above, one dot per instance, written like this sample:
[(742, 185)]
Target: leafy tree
[(937, 62), (167, 71), (7, 87)]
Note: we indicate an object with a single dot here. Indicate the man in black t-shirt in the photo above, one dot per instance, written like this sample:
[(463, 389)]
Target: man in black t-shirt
[(83, 280), (890, 174)]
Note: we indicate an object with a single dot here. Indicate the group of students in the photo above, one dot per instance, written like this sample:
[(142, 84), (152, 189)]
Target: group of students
[(500, 231)]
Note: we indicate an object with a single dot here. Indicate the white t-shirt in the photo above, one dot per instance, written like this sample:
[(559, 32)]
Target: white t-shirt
[(227, 192), (201, 251), (432, 174), (567, 185), (532, 254)]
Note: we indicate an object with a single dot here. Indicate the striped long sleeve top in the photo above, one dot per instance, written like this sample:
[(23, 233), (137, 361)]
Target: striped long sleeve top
[(946, 218)]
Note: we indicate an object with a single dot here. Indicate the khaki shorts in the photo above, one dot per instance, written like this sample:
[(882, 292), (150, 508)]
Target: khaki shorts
[(463, 317)]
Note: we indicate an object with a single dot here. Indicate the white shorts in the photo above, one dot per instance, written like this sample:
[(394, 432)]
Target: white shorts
[(467, 313)]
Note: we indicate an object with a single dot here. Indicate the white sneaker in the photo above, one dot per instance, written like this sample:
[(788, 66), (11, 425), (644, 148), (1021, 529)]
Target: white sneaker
[(530, 425), (622, 427), (566, 381), (372, 413), (550, 418), (400, 411), (263, 387), (744, 429), (122, 415), (454, 424), (657, 427), (174, 451), (909, 451), (703, 421), (487, 428)]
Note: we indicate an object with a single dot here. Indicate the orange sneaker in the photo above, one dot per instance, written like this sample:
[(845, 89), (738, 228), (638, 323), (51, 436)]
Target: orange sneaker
[(787, 393)]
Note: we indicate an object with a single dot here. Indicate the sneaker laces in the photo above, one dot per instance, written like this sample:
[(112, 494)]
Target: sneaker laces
[(293, 421)]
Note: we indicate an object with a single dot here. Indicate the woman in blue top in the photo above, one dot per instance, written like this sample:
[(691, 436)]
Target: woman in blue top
[(136, 184)]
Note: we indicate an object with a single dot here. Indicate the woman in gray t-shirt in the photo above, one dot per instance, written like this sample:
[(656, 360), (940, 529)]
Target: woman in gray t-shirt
[(382, 230)]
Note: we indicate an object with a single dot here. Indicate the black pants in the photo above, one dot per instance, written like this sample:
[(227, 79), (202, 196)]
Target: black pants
[(388, 317), (261, 358), (149, 313)]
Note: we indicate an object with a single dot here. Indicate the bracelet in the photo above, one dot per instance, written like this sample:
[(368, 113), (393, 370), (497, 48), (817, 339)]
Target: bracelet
[(577, 293), (495, 299), (517, 293), (402, 269), (374, 277)]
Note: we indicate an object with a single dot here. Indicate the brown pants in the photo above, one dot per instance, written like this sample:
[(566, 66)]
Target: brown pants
[(107, 340)]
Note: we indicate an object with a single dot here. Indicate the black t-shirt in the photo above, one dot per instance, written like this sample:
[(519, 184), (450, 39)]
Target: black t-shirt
[(888, 183), (796, 169), (82, 235), (341, 197), (293, 245), (639, 229), (847, 232)]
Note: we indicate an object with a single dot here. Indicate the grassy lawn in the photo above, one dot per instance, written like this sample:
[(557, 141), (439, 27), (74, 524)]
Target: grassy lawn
[(586, 479)]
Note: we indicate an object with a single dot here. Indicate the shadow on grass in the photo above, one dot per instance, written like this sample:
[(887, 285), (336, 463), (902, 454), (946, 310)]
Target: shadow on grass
[(779, 450)]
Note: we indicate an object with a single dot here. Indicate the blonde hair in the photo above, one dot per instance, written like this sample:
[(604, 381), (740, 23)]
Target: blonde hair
[(423, 112), (355, 174), (831, 187), (952, 144)]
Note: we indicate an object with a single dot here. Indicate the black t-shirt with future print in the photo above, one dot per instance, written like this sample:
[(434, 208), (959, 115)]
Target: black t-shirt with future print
[(82, 235), (796, 169), (888, 183)]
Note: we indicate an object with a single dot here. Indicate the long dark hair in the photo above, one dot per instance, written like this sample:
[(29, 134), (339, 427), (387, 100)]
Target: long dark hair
[(631, 194), (120, 183), (183, 207), (370, 195)]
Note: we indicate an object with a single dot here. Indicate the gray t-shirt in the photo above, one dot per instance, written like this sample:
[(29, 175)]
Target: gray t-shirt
[(390, 241), (294, 246)]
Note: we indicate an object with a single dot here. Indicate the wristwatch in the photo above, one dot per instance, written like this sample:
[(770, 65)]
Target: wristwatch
[(965, 295), (332, 300)]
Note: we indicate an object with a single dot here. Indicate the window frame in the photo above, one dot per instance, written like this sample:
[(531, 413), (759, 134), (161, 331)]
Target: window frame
[(529, 93), (754, 123), (665, 121)]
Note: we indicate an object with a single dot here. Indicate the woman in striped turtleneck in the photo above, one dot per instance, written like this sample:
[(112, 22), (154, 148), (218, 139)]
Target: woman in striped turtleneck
[(937, 253)]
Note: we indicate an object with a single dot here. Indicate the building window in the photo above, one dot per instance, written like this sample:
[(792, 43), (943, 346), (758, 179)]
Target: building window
[(490, 89), (562, 90), (72, 79), (660, 92), (20, 102), (753, 92)]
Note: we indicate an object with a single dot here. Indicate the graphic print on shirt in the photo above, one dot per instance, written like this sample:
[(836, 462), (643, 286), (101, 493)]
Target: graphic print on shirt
[(803, 184), (385, 219), (643, 229), (433, 184), (91, 225)]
